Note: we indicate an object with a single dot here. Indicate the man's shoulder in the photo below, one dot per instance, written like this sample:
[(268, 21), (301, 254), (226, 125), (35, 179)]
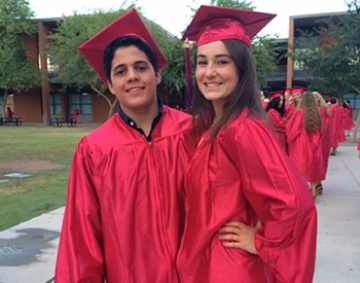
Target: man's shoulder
[(173, 113), (103, 133), (176, 119)]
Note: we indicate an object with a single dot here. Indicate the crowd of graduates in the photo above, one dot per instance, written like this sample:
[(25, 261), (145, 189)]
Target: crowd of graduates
[(309, 129)]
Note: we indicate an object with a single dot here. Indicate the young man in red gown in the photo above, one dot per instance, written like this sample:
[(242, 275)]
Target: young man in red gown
[(124, 214)]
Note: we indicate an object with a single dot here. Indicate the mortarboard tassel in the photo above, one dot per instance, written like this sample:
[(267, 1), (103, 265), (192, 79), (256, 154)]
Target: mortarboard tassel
[(188, 77)]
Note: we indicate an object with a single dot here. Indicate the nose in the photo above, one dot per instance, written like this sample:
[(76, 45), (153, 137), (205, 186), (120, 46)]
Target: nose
[(132, 74), (210, 71)]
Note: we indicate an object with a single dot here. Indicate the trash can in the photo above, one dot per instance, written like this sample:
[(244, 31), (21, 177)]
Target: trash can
[(48, 122)]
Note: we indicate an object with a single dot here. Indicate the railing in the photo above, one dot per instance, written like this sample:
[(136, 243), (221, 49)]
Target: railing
[(281, 71)]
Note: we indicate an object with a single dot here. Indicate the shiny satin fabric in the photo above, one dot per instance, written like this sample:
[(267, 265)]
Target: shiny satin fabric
[(289, 110), (337, 133), (124, 214), (348, 123), (244, 175), (305, 149), (326, 138), (279, 125)]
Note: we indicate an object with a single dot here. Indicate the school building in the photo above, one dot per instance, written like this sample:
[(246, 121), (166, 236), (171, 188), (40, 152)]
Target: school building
[(289, 73), (47, 101)]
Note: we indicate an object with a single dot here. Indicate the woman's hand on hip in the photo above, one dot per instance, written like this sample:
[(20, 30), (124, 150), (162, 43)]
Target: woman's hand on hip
[(238, 235)]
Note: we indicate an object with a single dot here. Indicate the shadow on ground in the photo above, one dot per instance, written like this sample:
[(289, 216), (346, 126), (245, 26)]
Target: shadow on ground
[(27, 247)]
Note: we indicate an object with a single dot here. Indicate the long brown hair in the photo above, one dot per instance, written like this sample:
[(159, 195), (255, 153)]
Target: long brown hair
[(244, 95), (312, 118)]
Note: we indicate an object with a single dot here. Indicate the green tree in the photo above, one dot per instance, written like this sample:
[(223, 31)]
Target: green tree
[(173, 75), (247, 5), (330, 53), (17, 73)]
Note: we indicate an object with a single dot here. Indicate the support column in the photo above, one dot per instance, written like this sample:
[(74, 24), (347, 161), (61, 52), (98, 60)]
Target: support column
[(290, 62), (45, 96)]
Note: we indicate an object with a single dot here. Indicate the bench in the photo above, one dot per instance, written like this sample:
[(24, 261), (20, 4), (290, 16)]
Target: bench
[(11, 121), (58, 122)]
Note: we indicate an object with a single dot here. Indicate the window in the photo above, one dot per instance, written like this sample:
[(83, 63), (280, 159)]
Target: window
[(55, 104), (354, 100), (82, 101)]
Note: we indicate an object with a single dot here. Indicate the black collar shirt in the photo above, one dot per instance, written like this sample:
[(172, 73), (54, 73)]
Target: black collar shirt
[(128, 121)]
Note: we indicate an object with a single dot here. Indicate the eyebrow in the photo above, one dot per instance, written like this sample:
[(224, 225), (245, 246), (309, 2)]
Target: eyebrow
[(216, 56), (135, 63)]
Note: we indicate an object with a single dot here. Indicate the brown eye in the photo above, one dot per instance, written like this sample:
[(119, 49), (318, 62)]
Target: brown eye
[(201, 63)]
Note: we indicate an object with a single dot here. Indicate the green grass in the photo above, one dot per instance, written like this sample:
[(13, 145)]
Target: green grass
[(34, 143), (23, 199)]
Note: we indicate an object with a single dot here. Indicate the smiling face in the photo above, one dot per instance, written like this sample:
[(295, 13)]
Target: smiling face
[(133, 79), (297, 96), (216, 73), (287, 95)]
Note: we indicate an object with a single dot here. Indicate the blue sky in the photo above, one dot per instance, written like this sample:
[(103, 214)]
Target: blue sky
[(174, 15)]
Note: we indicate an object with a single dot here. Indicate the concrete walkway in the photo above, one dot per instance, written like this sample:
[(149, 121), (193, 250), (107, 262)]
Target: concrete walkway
[(28, 250)]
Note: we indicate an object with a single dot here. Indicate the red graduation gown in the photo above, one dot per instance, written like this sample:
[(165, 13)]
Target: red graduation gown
[(289, 110), (358, 147), (264, 104), (326, 138), (279, 125), (124, 214), (305, 148), (244, 175), (337, 132), (347, 119)]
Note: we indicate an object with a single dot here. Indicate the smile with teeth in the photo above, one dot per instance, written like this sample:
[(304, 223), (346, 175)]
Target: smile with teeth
[(135, 89), (212, 84)]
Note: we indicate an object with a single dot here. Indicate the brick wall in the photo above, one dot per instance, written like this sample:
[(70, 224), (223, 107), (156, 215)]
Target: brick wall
[(100, 107), (28, 106)]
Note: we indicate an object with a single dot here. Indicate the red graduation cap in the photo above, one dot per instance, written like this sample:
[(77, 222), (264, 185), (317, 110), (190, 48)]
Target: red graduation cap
[(275, 94), (212, 23), (288, 90), (298, 89), (129, 24)]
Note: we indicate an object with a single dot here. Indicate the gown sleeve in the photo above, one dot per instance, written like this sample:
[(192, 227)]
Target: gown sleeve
[(80, 254), (280, 198), (277, 121)]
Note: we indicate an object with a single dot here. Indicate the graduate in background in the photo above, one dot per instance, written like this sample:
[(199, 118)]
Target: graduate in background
[(304, 136), (124, 215), (8, 114), (239, 173), (337, 130), (288, 102), (325, 114), (347, 120), (296, 95), (287, 95), (275, 111), (265, 100)]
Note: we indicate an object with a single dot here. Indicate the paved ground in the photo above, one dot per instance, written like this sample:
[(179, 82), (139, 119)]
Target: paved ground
[(28, 250)]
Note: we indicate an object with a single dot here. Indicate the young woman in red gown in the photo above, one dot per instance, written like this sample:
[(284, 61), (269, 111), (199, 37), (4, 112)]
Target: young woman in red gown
[(304, 136), (240, 175), (325, 135), (275, 111)]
